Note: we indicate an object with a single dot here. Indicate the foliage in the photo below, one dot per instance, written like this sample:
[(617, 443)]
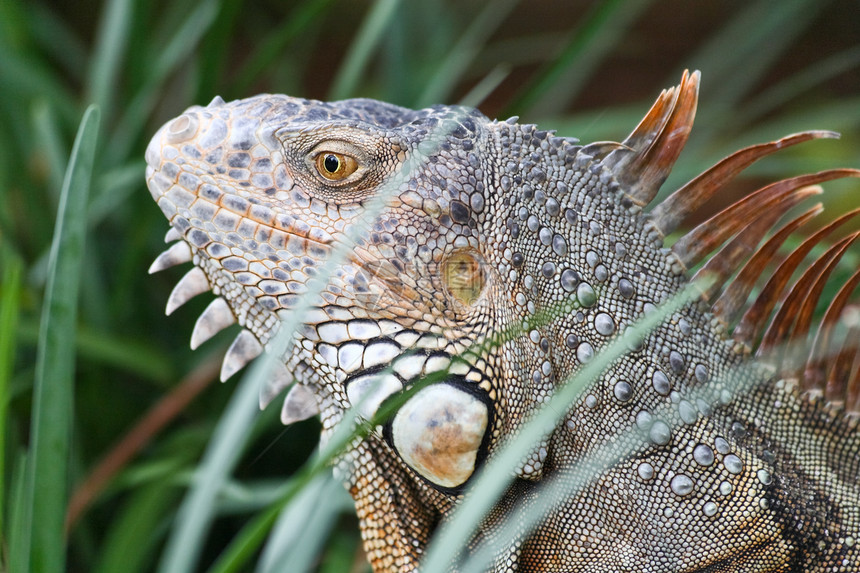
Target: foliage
[(142, 423)]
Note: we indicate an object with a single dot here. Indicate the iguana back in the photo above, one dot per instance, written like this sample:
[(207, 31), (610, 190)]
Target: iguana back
[(503, 259)]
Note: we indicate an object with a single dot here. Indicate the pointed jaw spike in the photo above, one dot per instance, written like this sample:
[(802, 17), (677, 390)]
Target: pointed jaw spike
[(189, 286), (214, 319), (300, 404), (244, 349), (175, 255), (281, 378), (172, 235)]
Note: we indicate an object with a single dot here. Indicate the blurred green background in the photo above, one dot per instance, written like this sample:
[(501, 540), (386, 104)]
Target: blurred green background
[(140, 419)]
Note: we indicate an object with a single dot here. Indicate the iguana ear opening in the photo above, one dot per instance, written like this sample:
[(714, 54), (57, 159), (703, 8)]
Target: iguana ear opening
[(463, 276)]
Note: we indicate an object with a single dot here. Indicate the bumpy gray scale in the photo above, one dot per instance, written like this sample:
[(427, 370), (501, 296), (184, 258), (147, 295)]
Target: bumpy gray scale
[(504, 259)]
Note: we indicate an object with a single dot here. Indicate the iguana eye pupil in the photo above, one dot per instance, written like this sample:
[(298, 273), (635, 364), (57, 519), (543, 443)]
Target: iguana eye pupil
[(331, 163)]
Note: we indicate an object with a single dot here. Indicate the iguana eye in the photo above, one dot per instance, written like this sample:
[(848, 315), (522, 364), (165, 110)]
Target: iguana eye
[(335, 166)]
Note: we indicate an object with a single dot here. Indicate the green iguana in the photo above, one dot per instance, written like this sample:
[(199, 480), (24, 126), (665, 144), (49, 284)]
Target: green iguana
[(726, 440)]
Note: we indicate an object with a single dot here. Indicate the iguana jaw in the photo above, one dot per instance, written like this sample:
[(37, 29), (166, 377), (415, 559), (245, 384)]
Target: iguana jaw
[(214, 221)]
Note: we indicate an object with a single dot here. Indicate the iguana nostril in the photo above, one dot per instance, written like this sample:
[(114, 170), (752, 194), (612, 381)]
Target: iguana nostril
[(182, 128)]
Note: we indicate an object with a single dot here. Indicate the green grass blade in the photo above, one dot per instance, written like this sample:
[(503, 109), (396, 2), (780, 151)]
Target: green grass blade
[(111, 44), (131, 541), (198, 509), (369, 35), (461, 55), (485, 87), (272, 47), (303, 528), (245, 544), (12, 270), (566, 75), (55, 362), (19, 518), (243, 547)]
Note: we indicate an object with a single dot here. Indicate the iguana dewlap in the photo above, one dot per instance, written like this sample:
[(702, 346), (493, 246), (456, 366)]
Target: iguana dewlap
[(503, 260)]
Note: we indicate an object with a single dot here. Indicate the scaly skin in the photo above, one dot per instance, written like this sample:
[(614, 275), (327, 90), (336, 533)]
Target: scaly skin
[(503, 260)]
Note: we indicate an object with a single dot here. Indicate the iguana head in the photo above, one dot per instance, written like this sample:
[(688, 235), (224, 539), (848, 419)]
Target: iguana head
[(262, 191), (489, 258)]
